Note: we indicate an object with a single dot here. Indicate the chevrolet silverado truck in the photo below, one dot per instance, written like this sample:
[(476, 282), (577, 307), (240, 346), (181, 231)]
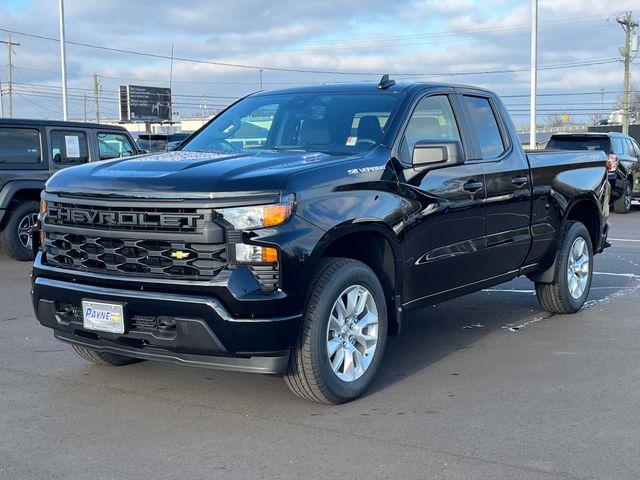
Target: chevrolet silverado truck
[(292, 232)]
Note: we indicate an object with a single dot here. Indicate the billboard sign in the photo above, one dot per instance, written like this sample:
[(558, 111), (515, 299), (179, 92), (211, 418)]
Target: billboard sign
[(145, 104)]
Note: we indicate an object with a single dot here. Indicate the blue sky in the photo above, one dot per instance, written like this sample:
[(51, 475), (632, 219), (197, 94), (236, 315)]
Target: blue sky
[(369, 36)]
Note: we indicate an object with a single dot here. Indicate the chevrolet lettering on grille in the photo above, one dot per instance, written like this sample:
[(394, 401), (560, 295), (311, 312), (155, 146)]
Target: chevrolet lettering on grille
[(114, 218)]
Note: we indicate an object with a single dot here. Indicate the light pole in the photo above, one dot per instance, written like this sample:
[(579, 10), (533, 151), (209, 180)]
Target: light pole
[(534, 72), (63, 62)]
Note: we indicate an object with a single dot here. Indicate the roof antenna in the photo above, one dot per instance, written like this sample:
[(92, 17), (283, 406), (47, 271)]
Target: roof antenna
[(386, 82)]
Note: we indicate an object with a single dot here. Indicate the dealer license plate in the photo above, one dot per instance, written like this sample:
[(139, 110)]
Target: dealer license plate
[(103, 317)]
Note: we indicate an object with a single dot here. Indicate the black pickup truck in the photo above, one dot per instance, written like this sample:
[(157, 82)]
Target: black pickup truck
[(293, 231)]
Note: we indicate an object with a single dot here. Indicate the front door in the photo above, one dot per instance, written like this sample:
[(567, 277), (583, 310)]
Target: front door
[(443, 229)]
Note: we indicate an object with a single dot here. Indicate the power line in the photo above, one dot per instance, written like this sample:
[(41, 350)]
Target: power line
[(300, 70)]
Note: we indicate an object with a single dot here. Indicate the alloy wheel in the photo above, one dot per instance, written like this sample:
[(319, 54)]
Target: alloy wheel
[(24, 229), (352, 333), (578, 268)]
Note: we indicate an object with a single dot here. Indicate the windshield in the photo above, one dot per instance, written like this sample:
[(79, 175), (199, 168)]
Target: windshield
[(331, 123)]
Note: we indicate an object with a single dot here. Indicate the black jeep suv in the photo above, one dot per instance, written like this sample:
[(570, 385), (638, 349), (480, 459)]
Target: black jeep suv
[(32, 150)]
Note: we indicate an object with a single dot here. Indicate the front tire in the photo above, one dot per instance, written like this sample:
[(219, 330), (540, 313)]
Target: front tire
[(343, 334), (573, 273), (623, 204), (15, 237), (104, 358)]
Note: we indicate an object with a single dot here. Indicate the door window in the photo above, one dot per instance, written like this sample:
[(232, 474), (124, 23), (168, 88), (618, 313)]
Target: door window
[(629, 150), (617, 145), (69, 146), (432, 120), (114, 145), (636, 148), (484, 123), (19, 145)]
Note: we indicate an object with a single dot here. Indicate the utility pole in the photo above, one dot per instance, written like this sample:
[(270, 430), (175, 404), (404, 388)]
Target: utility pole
[(260, 79), (628, 24), (96, 91), (203, 106), (63, 64), (534, 73), (84, 107), (9, 45), (1, 103)]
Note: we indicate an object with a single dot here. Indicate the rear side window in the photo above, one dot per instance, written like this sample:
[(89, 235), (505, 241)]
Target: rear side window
[(566, 142), (630, 150), (114, 145), (485, 124), (618, 146), (20, 145), (636, 148), (69, 146)]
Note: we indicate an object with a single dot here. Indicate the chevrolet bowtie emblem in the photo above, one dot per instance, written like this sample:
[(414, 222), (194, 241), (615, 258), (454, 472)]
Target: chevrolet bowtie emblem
[(179, 255)]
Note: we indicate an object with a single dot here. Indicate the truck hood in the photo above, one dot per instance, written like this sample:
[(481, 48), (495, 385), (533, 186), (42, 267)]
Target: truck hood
[(182, 174)]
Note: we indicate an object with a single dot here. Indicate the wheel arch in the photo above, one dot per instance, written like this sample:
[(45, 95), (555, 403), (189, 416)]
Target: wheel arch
[(586, 211), (376, 245)]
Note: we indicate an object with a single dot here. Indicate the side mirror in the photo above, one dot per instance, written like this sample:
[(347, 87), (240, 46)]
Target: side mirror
[(434, 152)]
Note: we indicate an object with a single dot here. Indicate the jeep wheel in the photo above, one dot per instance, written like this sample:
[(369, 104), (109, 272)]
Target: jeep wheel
[(15, 238), (343, 334), (104, 358), (573, 273), (623, 204)]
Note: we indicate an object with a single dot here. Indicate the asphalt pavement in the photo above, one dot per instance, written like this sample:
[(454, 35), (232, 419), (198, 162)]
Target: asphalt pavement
[(484, 387)]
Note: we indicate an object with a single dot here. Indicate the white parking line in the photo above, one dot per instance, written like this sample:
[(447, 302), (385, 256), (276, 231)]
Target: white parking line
[(624, 240), (628, 275)]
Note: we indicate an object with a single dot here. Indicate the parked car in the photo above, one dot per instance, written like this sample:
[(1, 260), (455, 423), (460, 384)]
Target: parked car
[(160, 142), (299, 253), (30, 152), (623, 161)]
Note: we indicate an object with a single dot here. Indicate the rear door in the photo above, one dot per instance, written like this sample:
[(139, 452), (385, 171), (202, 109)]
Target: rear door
[(443, 231), (21, 155), (507, 184)]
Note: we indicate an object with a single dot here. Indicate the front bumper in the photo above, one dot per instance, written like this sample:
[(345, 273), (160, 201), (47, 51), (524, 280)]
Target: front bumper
[(179, 328)]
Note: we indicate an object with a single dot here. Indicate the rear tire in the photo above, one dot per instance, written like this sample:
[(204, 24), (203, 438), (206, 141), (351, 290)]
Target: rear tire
[(104, 358), (15, 237), (573, 273), (339, 348), (623, 204)]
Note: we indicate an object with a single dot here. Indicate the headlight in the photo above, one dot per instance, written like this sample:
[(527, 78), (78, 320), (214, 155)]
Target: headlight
[(255, 254), (260, 215)]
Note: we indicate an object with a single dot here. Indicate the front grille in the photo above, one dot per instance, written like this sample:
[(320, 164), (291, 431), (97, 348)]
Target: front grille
[(149, 258), (144, 219)]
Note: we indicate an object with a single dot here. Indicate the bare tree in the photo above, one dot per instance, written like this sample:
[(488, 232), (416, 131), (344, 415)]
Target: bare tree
[(553, 120)]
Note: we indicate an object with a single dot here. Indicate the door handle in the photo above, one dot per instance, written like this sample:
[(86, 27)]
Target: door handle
[(472, 186), (520, 181)]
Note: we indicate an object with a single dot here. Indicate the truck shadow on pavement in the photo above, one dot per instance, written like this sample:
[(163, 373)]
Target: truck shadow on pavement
[(432, 333)]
